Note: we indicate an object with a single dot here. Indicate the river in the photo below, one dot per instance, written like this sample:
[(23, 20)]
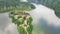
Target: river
[(44, 21)]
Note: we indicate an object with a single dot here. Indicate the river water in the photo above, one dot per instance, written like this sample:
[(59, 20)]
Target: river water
[(44, 21)]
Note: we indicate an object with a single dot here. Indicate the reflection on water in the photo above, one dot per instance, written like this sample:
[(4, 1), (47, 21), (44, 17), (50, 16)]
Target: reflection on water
[(44, 21)]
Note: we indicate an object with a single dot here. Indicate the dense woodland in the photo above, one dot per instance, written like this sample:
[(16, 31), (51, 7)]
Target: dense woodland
[(53, 4)]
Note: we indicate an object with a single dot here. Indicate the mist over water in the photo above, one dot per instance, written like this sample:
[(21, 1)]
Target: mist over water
[(44, 21)]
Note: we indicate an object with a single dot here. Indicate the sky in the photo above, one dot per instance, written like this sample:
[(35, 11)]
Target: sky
[(24, 0)]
